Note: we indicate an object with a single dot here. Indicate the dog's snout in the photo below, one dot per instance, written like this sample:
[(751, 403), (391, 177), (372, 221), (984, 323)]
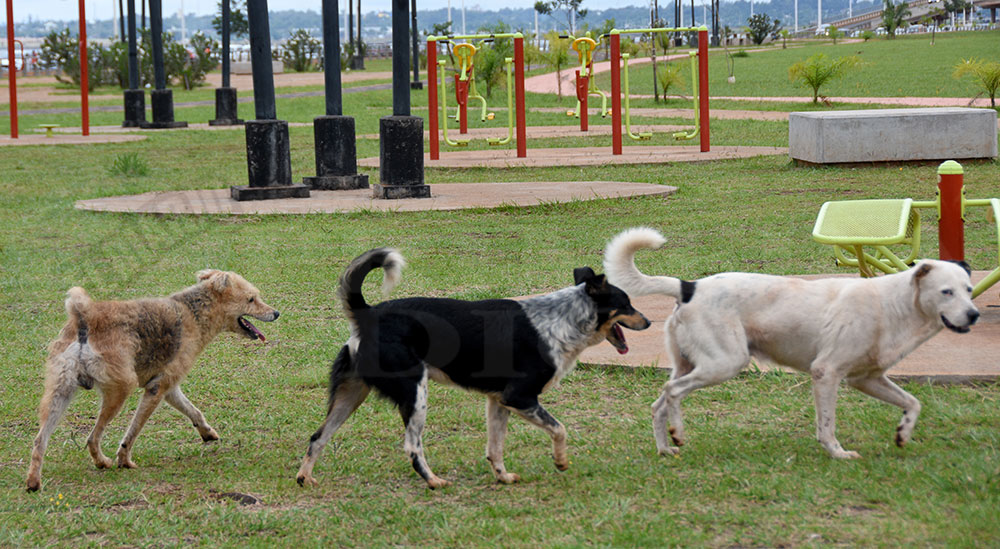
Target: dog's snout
[(973, 316), (276, 314)]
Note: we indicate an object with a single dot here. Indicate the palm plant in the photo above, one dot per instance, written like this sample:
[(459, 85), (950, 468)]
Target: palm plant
[(817, 70), (893, 16), (985, 73)]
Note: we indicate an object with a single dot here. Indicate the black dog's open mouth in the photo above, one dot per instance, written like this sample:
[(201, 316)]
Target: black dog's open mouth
[(250, 329), (617, 338), (952, 327)]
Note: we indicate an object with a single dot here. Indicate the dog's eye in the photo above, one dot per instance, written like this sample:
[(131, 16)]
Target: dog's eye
[(251, 300), (947, 292)]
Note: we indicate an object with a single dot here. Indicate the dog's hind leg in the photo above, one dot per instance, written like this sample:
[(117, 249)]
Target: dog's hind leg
[(112, 400), (728, 357), (151, 398), (884, 389), (826, 381), (496, 431), (347, 396), (536, 415), (414, 413), (175, 397), (60, 386)]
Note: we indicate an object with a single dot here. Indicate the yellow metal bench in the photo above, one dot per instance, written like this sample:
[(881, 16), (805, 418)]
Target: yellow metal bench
[(48, 128)]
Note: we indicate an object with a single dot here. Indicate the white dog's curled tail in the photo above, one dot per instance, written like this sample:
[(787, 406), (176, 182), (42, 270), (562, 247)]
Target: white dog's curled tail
[(619, 264)]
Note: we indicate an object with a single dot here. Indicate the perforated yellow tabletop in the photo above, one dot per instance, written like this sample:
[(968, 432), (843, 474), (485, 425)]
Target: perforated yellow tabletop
[(864, 222)]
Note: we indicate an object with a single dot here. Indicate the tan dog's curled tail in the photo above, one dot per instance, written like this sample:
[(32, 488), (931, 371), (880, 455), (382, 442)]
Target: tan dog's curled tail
[(77, 302), (619, 264)]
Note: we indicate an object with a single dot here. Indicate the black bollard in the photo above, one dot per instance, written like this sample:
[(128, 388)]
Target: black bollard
[(401, 136), (225, 96), (269, 164), (416, 84), (336, 156), (161, 98), (135, 97)]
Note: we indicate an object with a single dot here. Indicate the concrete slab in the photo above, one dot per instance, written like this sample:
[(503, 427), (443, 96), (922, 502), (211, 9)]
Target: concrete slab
[(451, 196), (892, 135), (947, 357), (584, 156), (544, 132), (62, 139)]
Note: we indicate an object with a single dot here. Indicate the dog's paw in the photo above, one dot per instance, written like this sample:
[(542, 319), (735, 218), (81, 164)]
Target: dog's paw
[(845, 454), (126, 463), (34, 484), (436, 482), (306, 480), (210, 435), (677, 436), (103, 462), (902, 436), (508, 478)]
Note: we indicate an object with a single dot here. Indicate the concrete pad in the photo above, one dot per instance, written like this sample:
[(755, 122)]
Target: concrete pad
[(193, 126), (892, 135), (62, 139), (451, 196), (584, 156), (947, 357)]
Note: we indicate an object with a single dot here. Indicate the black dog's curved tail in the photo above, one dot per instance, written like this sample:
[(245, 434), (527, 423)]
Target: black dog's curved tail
[(388, 259)]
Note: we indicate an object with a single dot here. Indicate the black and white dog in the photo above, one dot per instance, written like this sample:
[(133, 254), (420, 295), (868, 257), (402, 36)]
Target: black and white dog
[(511, 351)]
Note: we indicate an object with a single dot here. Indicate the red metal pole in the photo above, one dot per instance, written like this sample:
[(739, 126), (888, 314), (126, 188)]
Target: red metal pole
[(616, 94), (703, 88), (951, 231), (11, 69), (432, 97), (84, 103), (522, 143), (582, 87), (462, 92)]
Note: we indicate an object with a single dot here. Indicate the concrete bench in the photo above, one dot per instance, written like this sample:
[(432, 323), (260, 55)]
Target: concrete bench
[(244, 67), (892, 135)]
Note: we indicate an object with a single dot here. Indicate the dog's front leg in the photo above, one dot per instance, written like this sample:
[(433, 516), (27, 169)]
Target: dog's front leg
[(151, 398), (825, 383), (496, 430), (885, 390), (539, 417), (175, 397)]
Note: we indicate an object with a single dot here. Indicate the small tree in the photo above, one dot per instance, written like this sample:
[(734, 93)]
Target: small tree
[(893, 16), (571, 7), (760, 26), (834, 33), (300, 50), (817, 70), (670, 75), (867, 35), (986, 75), (238, 24), (204, 59), (933, 19), (442, 29), (490, 60), (784, 38), (558, 56)]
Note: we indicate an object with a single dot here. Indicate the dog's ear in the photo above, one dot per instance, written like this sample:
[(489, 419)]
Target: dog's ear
[(965, 266), (216, 279), (922, 271), (582, 274)]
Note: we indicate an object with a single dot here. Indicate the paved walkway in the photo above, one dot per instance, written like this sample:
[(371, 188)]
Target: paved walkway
[(584, 156), (451, 196), (63, 139), (947, 357)]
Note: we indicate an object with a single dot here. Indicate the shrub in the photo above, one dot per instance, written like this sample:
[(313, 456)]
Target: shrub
[(128, 165), (986, 75), (760, 26), (670, 75), (817, 70), (300, 49)]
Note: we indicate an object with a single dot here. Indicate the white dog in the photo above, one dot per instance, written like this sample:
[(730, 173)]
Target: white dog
[(835, 329)]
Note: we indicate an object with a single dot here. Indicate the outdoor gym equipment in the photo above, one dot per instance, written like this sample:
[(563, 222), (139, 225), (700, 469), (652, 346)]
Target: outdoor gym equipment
[(465, 90), (586, 84), (852, 225), (700, 94)]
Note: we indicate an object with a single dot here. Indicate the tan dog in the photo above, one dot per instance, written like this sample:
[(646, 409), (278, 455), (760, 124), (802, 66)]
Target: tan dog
[(149, 343)]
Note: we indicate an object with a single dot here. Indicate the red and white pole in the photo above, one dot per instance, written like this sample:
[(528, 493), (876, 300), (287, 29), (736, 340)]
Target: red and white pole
[(616, 94), (432, 97), (11, 69), (951, 195), (703, 88)]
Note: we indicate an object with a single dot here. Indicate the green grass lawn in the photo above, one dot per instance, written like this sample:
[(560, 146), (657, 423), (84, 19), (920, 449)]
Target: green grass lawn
[(751, 475), (906, 66)]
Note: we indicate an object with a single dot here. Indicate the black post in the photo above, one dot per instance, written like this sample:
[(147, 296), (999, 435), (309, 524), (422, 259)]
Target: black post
[(416, 84), (336, 152), (225, 96), (135, 97), (143, 2), (269, 161), (161, 98), (121, 20), (358, 61), (401, 136)]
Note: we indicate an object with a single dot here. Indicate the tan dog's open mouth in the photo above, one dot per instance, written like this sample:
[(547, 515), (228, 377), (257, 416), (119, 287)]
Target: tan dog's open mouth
[(250, 329)]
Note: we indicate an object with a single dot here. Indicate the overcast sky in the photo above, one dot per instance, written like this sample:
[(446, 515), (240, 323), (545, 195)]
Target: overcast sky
[(102, 9)]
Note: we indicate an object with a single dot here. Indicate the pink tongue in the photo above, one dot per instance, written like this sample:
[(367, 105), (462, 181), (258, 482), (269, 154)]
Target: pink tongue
[(621, 336), (255, 331)]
